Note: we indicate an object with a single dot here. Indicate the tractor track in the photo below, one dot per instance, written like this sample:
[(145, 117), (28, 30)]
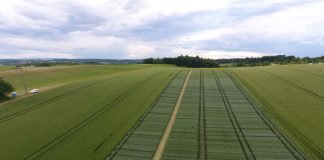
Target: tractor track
[(234, 121), (293, 130), (52, 100), (283, 139), (310, 73), (83, 123), (114, 152), (309, 92), (44, 103), (202, 86), (199, 118)]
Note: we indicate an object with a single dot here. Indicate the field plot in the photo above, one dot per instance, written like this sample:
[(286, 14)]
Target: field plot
[(84, 120), (184, 142), (293, 96), (50, 77), (222, 138), (142, 141), (218, 121), (123, 113)]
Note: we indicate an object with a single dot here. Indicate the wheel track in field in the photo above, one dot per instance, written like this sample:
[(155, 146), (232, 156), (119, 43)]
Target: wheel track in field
[(199, 118), (300, 136), (83, 123), (203, 108), (274, 129), (52, 100), (114, 152), (160, 148), (172, 75), (310, 73), (44, 103), (247, 152), (298, 87)]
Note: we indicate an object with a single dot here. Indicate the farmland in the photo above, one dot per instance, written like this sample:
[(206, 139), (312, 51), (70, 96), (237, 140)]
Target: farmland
[(292, 96), (93, 114), (124, 112), (51, 77)]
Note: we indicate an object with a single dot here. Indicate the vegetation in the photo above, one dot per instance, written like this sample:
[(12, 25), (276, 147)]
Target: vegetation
[(203, 130), (184, 61), (50, 77), (144, 138), (228, 130), (29, 62), (293, 96), (86, 118), (187, 61), (121, 111), (5, 89), (267, 60)]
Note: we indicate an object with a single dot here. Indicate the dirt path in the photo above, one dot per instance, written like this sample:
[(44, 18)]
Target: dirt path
[(159, 151)]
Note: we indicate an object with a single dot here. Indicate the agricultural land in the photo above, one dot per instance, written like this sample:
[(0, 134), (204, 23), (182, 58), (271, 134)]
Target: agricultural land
[(164, 112)]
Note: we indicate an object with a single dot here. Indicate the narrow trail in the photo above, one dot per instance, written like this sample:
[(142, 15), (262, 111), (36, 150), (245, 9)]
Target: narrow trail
[(160, 149)]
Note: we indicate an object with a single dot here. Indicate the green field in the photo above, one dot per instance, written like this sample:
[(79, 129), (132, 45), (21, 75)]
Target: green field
[(5, 68), (86, 118), (50, 77), (122, 111), (293, 96)]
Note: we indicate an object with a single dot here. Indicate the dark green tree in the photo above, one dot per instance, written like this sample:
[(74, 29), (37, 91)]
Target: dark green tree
[(5, 88)]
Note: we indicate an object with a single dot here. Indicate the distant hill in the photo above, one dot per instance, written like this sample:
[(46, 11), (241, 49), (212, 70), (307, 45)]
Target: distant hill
[(67, 61)]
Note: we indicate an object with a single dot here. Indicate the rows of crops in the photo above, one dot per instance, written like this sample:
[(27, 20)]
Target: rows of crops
[(185, 135), (293, 96), (124, 114), (83, 120), (143, 139), (49, 77), (217, 120)]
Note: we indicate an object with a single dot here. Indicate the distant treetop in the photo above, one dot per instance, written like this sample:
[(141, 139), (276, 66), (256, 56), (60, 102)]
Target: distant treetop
[(188, 61)]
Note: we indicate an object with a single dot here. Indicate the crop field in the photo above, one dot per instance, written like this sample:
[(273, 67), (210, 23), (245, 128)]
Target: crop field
[(51, 77), (224, 124), (165, 112), (144, 138), (216, 120), (83, 120), (293, 96)]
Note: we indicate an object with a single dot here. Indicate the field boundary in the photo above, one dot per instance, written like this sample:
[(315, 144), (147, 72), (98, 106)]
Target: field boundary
[(160, 149)]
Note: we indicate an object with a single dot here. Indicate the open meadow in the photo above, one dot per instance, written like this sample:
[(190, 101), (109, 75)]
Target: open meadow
[(126, 111)]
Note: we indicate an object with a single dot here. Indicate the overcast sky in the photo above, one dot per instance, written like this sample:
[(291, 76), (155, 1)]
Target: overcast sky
[(120, 29)]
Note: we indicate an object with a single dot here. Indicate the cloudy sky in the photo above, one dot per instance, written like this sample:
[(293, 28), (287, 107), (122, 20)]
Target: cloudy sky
[(120, 29)]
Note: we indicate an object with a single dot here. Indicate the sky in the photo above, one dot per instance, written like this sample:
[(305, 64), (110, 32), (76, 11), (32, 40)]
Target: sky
[(135, 29)]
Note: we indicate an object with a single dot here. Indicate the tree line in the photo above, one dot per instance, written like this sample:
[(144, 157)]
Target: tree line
[(184, 61), (197, 62)]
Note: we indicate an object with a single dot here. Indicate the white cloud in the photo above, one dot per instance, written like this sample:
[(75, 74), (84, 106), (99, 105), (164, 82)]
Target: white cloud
[(296, 23), (104, 27), (218, 54), (35, 54)]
